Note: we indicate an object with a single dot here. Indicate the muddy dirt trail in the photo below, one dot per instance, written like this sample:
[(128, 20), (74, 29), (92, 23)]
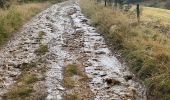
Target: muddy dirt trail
[(70, 39)]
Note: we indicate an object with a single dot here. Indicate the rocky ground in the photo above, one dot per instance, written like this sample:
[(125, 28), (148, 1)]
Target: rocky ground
[(55, 38)]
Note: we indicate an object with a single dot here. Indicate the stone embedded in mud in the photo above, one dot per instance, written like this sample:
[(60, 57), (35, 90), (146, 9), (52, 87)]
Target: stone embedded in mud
[(72, 11), (104, 74), (84, 20), (128, 77), (14, 74), (112, 82), (100, 52), (87, 51), (79, 30), (132, 92), (61, 88), (95, 59)]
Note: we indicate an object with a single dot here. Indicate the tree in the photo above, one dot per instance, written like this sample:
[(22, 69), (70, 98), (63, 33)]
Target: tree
[(2, 3)]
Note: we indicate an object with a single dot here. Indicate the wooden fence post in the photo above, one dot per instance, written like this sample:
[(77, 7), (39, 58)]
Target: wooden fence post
[(138, 12), (105, 2)]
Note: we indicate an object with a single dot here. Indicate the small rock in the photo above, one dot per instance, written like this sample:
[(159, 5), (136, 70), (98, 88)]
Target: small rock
[(128, 77), (13, 74), (87, 51), (61, 88), (100, 52), (95, 59), (110, 81), (84, 20)]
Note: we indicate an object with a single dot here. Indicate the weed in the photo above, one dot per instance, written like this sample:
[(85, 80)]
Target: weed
[(19, 92), (28, 66), (29, 79), (72, 69), (71, 97), (68, 82), (41, 34), (41, 50)]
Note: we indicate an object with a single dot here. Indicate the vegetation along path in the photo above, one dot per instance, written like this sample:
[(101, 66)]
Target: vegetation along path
[(59, 55)]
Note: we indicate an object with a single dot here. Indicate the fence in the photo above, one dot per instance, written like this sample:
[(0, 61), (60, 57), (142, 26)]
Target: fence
[(120, 4)]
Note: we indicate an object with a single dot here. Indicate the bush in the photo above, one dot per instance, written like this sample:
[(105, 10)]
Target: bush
[(167, 5), (4, 4)]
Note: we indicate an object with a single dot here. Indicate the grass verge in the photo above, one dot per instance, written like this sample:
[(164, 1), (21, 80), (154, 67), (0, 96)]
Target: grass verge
[(145, 49), (13, 18)]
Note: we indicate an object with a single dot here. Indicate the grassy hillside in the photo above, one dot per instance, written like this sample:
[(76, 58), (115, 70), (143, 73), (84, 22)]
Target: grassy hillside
[(162, 15), (157, 3), (144, 46), (16, 15)]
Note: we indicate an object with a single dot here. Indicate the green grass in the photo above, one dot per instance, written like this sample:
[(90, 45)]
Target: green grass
[(42, 50), (41, 34), (23, 88), (145, 49), (72, 70), (19, 93)]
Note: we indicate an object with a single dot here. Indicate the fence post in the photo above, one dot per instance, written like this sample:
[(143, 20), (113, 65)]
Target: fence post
[(138, 12), (105, 2)]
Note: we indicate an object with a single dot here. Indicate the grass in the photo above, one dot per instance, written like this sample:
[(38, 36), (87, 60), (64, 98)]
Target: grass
[(41, 50), (155, 14), (24, 89), (145, 48), (69, 72), (71, 97), (19, 93), (69, 82), (41, 34), (72, 69), (13, 18)]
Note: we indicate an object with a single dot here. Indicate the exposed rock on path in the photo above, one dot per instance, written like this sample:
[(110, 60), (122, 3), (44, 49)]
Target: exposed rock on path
[(70, 39)]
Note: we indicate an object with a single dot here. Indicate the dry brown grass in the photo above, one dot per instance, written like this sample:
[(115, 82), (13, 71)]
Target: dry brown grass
[(29, 84), (13, 18), (146, 49), (76, 83)]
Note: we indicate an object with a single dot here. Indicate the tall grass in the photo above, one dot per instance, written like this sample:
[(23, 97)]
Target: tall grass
[(13, 18), (146, 50)]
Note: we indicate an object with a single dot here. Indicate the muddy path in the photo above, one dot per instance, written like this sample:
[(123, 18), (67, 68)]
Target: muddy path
[(70, 39)]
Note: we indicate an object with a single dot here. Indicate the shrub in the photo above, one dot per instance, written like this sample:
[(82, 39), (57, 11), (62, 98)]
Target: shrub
[(4, 4), (167, 5)]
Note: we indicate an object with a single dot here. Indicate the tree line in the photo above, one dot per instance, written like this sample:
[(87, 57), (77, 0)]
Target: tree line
[(7, 3)]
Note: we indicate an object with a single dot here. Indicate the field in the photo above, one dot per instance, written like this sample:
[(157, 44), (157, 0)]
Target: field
[(145, 46)]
